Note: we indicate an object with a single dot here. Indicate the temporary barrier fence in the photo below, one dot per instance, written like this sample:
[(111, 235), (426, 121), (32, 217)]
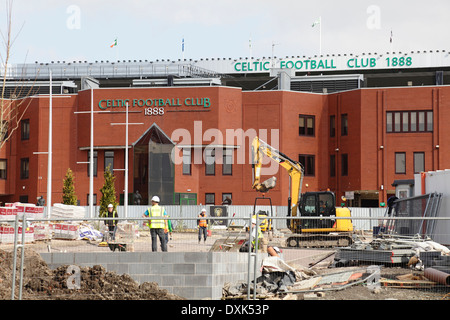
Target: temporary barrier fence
[(75, 237)]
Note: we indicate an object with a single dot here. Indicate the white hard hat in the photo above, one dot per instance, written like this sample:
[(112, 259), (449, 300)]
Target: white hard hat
[(155, 199), (254, 221), (110, 205), (203, 210)]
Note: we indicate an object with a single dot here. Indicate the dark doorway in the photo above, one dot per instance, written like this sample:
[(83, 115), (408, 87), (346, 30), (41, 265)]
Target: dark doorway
[(154, 171)]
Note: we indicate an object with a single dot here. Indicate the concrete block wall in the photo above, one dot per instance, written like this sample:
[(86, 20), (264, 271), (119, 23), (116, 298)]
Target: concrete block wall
[(192, 275)]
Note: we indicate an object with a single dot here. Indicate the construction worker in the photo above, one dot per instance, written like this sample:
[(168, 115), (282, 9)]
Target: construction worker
[(256, 233), (168, 228), (112, 224), (156, 226), (202, 226)]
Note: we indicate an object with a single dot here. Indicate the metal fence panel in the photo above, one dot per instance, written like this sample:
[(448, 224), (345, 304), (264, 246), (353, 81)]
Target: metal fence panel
[(241, 213)]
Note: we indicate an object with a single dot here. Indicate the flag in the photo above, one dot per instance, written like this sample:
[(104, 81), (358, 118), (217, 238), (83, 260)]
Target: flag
[(391, 36), (182, 45), (316, 23), (114, 44)]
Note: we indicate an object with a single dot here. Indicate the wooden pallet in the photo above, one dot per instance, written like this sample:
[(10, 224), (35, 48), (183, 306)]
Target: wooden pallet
[(407, 284)]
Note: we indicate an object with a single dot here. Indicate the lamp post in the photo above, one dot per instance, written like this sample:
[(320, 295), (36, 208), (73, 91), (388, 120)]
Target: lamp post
[(125, 198), (50, 147), (91, 156)]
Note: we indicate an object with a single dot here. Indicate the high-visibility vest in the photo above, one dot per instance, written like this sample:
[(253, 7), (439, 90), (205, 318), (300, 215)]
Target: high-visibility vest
[(202, 223), (156, 211), (260, 236)]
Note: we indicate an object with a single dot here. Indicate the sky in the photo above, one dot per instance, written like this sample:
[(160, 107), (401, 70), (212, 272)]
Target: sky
[(67, 30)]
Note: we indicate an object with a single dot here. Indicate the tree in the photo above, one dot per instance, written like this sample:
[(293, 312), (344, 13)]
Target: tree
[(13, 102), (108, 193), (69, 196)]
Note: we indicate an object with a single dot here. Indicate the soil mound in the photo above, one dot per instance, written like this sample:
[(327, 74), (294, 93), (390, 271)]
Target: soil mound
[(72, 282)]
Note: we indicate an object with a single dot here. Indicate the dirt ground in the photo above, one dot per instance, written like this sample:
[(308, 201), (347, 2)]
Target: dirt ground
[(40, 282)]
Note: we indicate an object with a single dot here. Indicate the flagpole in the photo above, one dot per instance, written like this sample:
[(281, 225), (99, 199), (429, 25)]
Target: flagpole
[(391, 40), (117, 51), (182, 48)]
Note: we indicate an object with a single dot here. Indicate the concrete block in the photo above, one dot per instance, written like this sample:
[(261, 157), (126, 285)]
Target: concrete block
[(119, 268), (173, 281), (184, 268), (196, 257), (173, 257), (203, 268), (141, 278), (129, 257), (198, 280), (185, 292), (84, 257), (62, 258), (138, 268), (106, 257), (47, 256), (152, 257), (157, 268)]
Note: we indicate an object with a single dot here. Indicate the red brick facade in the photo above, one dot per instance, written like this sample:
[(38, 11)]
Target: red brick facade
[(208, 114)]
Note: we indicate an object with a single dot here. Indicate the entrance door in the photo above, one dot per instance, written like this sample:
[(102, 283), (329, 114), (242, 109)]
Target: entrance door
[(154, 171), (161, 171)]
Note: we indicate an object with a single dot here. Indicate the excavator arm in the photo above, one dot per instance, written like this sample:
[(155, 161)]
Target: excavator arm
[(294, 169)]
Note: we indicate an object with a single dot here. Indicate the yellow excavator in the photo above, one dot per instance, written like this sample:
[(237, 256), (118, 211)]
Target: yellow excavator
[(306, 233)]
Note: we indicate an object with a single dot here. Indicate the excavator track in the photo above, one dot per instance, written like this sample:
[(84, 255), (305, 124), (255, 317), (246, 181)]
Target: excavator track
[(319, 240)]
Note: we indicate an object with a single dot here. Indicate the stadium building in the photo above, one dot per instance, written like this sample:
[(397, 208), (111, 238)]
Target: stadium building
[(362, 125)]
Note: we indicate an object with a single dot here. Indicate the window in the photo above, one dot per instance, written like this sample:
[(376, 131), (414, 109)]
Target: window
[(344, 125), (306, 125), (419, 162), (332, 165), (413, 127), (94, 199), (409, 121), (389, 122), (95, 163), (227, 167), (25, 129), (308, 162), (332, 126), (210, 199), (400, 162), (429, 121), (397, 121), (210, 165), (24, 168), (227, 198), (421, 121), (3, 167), (344, 164), (187, 161), (109, 160)]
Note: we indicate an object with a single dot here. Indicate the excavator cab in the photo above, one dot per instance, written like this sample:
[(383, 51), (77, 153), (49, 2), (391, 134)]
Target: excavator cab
[(317, 204)]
